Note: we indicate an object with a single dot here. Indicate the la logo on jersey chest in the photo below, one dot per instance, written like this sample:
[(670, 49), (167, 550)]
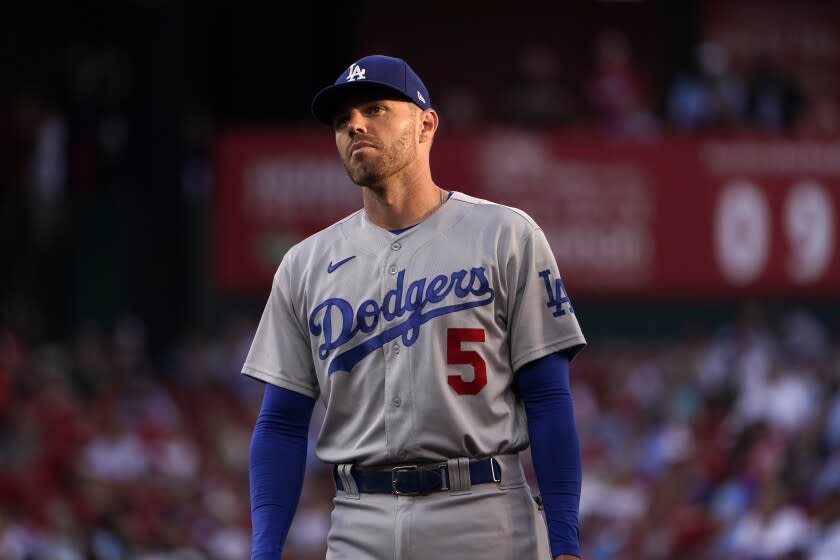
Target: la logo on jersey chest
[(355, 73)]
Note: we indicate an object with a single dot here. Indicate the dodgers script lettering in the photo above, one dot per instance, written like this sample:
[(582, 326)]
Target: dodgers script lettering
[(337, 322)]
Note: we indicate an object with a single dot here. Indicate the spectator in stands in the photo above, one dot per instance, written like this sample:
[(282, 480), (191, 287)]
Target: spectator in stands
[(709, 98), (775, 100), (536, 96), (617, 91)]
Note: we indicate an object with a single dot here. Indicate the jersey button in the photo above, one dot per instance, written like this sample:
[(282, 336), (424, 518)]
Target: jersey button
[(393, 270), (402, 455), (397, 402), (396, 348), (396, 246)]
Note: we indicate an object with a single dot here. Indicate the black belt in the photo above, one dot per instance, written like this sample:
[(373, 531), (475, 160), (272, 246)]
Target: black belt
[(417, 480)]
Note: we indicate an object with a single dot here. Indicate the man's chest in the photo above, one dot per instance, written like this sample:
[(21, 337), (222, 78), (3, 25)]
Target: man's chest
[(381, 299)]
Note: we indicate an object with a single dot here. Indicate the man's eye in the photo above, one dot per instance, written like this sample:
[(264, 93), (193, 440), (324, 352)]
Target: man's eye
[(339, 122), (377, 109)]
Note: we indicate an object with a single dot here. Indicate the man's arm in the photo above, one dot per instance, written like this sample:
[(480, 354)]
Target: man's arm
[(276, 468), (544, 387)]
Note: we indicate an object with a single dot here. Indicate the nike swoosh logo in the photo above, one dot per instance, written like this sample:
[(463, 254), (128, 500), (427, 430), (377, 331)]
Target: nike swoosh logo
[(331, 267)]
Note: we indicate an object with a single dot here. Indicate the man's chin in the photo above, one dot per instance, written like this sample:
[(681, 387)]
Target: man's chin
[(363, 177), (365, 180)]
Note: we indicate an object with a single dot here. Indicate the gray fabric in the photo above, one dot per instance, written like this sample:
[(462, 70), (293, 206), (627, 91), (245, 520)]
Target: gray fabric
[(489, 522), (459, 475), (345, 474), (471, 267)]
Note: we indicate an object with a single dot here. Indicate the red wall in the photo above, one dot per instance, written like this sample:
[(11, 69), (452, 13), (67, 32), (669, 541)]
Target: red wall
[(676, 216)]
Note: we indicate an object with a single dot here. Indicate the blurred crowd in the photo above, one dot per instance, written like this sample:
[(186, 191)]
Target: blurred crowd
[(765, 96), (722, 446), (621, 97), (100, 458)]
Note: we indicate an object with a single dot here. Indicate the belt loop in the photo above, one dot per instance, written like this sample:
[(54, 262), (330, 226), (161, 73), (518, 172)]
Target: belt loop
[(350, 488), (459, 476), (513, 476)]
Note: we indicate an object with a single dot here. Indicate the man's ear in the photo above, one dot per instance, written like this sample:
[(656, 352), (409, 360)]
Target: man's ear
[(428, 125)]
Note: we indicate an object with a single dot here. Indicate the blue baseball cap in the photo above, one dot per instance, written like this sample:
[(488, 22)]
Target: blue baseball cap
[(374, 72)]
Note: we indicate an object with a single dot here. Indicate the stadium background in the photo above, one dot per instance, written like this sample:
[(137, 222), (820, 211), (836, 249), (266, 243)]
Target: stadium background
[(158, 157)]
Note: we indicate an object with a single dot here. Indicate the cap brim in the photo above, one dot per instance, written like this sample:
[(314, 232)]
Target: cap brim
[(328, 99)]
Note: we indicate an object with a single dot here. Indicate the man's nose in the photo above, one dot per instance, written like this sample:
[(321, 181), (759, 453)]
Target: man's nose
[(357, 123)]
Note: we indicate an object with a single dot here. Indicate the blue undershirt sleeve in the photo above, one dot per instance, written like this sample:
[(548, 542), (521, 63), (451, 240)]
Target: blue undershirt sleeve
[(277, 462), (555, 449)]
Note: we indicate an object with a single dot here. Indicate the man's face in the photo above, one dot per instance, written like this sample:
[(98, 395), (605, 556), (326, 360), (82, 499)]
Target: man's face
[(376, 138)]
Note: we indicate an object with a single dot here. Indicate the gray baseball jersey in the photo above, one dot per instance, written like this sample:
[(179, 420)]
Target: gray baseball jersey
[(412, 340)]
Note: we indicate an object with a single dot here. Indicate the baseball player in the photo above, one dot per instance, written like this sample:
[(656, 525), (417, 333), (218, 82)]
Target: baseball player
[(435, 329)]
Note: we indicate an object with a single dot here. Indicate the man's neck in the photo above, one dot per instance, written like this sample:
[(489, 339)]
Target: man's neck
[(397, 206)]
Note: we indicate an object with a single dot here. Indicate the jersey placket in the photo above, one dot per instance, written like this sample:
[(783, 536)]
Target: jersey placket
[(397, 368)]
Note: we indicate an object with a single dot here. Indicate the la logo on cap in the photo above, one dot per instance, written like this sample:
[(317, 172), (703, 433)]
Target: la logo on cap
[(356, 73)]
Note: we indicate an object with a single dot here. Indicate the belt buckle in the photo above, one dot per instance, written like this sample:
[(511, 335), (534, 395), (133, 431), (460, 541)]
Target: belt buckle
[(404, 468)]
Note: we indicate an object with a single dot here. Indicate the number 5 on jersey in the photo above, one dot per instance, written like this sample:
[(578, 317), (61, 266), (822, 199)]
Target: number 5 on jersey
[(456, 355)]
